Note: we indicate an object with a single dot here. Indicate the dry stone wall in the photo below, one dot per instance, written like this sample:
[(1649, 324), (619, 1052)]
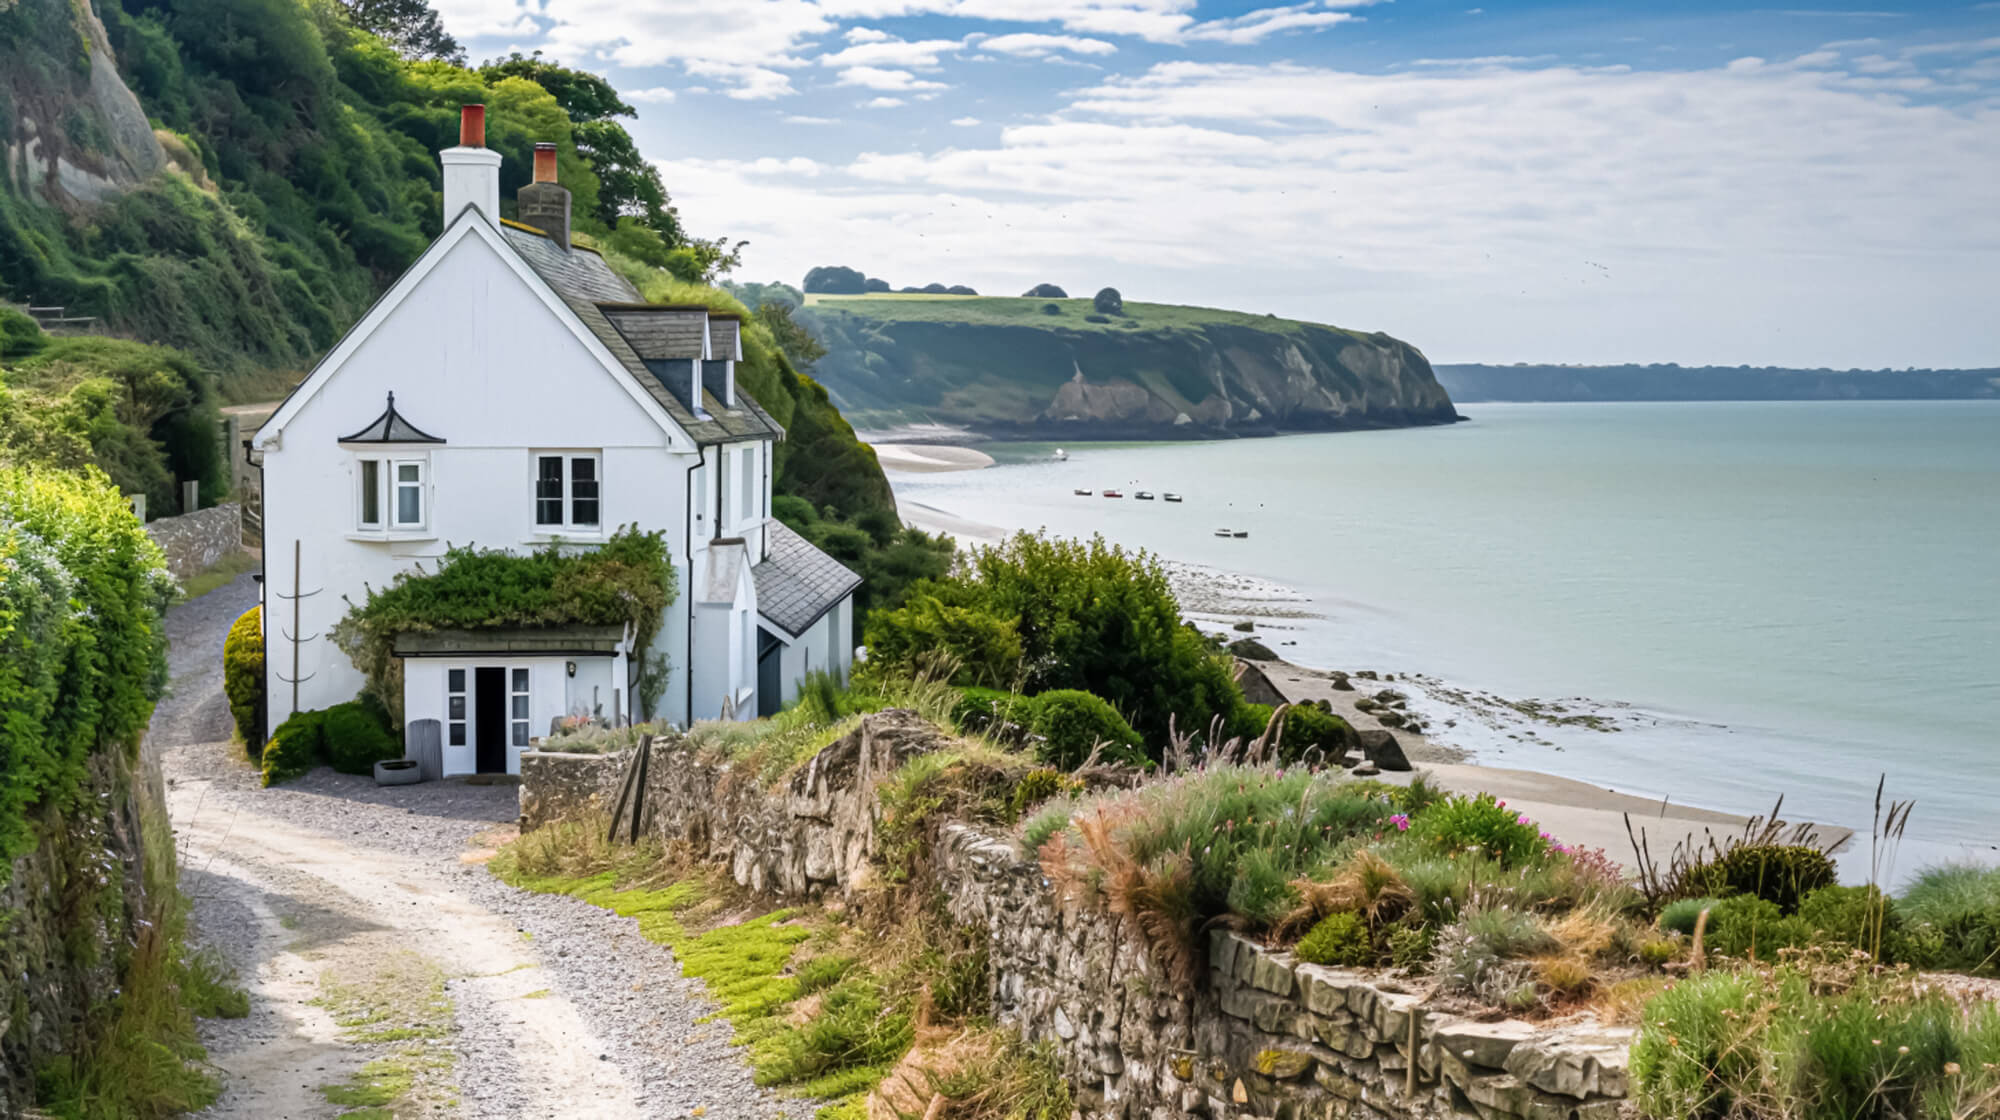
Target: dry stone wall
[(1263, 1037), (193, 541)]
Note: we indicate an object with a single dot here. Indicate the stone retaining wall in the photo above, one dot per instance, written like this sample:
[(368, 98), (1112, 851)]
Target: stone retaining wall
[(1264, 1036), (193, 541)]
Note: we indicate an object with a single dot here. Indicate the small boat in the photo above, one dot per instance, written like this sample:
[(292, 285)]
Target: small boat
[(1241, 534), (1113, 494), (1171, 497), (1144, 495), (1224, 533), (1082, 493), (1061, 455)]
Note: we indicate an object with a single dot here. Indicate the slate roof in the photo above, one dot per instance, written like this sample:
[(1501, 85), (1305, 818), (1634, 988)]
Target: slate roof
[(583, 281), (797, 583), (722, 337), (390, 427), (661, 333)]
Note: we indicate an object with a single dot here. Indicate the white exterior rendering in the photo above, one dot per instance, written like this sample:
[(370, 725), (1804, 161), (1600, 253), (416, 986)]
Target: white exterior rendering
[(500, 364)]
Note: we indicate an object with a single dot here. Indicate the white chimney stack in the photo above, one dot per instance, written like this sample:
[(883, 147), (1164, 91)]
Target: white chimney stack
[(471, 170)]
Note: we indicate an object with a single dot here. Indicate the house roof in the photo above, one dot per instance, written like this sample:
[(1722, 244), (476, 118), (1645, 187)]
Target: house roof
[(591, 289), (390, 427), (660, 333), (723, 331), (797, 583)]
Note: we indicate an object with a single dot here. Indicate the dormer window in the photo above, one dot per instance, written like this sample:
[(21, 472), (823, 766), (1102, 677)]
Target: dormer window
[(568, 490), (390, 471)]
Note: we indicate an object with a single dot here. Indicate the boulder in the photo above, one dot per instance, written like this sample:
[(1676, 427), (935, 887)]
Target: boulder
[(1340, 684), (1366, 704), (1250, 649), (1382, 749), (1389, 696), (1389, 717), (1244, 627)]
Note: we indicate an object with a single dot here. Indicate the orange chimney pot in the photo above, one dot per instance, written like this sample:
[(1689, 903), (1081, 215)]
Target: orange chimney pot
[(472, 126), (545, 162)]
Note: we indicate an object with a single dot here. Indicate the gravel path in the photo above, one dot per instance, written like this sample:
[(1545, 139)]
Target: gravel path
[(557, 1008)]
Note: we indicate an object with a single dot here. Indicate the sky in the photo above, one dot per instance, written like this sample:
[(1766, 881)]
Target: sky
[(1558, 181)]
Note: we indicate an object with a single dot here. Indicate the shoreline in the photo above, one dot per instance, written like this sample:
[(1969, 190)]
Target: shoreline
[(929, 458), (1576, 811)]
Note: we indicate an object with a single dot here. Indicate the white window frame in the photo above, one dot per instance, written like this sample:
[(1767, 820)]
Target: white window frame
[(568, 522), (388, 488), (458, 728), (520, 707)]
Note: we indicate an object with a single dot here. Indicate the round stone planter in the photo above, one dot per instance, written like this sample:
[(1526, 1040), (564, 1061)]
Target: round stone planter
[(398, 772)]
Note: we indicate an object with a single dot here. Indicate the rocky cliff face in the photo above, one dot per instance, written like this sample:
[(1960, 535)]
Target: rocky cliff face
[(71, 132), (1195, 376)]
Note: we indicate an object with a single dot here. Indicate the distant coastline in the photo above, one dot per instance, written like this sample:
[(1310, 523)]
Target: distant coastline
[(1474, 383)]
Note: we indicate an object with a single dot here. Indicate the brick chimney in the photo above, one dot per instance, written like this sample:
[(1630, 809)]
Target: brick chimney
[(544, 203), (471, 170)]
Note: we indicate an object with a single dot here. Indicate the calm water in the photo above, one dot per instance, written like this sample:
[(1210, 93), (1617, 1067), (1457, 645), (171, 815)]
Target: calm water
[(1797, 597)]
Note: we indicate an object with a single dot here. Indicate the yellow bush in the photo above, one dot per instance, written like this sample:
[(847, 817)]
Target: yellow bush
[(243, 678)]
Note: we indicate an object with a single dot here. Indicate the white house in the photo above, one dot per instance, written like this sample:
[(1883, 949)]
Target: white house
[(510, 391)]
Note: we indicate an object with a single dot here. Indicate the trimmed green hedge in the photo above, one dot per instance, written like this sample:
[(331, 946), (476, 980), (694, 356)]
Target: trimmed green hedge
[(82, 652), (350, 737), (243, 678)]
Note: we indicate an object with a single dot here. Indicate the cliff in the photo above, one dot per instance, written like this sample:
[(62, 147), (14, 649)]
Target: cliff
[(1033, 368)]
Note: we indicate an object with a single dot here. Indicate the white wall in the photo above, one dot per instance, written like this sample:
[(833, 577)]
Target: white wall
[(424, 697), (474, 357)]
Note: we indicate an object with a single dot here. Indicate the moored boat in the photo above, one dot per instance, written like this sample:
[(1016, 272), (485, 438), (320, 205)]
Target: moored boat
[(1081, 493), (1171, 497), (1113, 494), (1144, 495)]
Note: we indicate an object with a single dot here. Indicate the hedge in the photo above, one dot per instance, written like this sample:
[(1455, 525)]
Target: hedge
[(350, 737), (1072, 722), (243, 678), (82, 651)]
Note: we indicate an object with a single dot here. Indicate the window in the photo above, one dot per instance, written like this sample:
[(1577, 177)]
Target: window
[(517, 712), (393, 484), (568, 491), (746, 482), (455, 707), (371, 494)]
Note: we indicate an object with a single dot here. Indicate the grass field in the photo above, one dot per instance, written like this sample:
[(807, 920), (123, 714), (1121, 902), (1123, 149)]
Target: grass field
[(1017, 311)]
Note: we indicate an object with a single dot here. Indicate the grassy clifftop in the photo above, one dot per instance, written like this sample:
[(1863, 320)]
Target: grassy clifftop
[(1060, 368)]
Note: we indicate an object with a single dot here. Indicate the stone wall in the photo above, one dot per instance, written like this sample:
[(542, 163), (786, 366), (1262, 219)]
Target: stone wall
[(70, 912), (193, 541), (1263, 1036)]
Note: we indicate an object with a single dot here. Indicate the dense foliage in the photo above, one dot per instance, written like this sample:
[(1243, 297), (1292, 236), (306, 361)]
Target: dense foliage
[(145, 415), (1082, 614), (351, 737), (243, 678), (1782, 874), (82, 652), (1961, 904), (629, 580)]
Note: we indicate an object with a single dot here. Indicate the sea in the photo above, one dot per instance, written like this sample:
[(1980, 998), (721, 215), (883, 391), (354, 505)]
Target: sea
[(1794, 598)]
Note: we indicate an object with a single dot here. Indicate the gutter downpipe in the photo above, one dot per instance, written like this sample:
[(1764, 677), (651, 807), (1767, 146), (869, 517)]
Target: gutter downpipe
[(687, 550)]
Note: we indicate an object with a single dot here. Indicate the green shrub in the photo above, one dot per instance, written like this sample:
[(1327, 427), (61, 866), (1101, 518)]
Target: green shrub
[(1037, 786), (1745, 926), (1410, 946), (821, 973), (1480, 824), (857, 1028), (1805, 1041), (82, 652), (1680, 916), (1072, 722), (243, 678), (1338, 939), (355, 736), (295, 747), (1481, 955), (1306, 729), (1780, 873), (1858, 917), (981, 709), (1957, 908)]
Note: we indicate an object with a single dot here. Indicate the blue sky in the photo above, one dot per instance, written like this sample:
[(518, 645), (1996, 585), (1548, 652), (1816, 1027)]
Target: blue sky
[(1555, 181)]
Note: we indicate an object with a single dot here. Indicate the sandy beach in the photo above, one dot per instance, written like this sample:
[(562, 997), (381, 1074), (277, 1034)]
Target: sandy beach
[(926, 458), (1576, 812)]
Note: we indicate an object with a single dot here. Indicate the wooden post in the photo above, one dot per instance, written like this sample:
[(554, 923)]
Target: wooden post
[(190, 496), (1410, 1075), (296, 568)]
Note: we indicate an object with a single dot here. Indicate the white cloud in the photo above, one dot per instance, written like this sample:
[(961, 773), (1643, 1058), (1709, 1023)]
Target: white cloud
[(871, 77), (746, 81), (1264, 22), (1029, 45), (1766, 212), (965, 122), (882, 103), (889, 52), (865, 35), (654, 96), (795, 118)]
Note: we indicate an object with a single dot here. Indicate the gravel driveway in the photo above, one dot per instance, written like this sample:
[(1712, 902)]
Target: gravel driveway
[(337, 901)]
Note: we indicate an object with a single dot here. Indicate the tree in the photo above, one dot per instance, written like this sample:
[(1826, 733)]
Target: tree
[(1109, 302), (1045, 291), (834, 279), (410, 26), (873, 285), (793, 338)]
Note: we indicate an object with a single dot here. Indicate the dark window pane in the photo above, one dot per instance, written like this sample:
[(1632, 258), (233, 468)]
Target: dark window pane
[(520, 734), (457, 708), (549, 490), (583, 511), (456, 679), (521, 707), (457, 734), (409, 505), (371, 492), (583, 491), (521, 682)]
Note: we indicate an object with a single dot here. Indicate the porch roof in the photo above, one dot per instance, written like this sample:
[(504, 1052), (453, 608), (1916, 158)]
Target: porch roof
[(552, 641)]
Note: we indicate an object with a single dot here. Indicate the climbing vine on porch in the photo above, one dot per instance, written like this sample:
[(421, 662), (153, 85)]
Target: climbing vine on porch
[(629, 580)]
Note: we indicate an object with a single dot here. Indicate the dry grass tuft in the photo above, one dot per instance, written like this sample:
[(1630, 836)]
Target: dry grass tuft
[(1366, 885)]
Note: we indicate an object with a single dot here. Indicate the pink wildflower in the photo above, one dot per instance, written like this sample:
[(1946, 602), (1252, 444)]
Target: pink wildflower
[(1401, 821)]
